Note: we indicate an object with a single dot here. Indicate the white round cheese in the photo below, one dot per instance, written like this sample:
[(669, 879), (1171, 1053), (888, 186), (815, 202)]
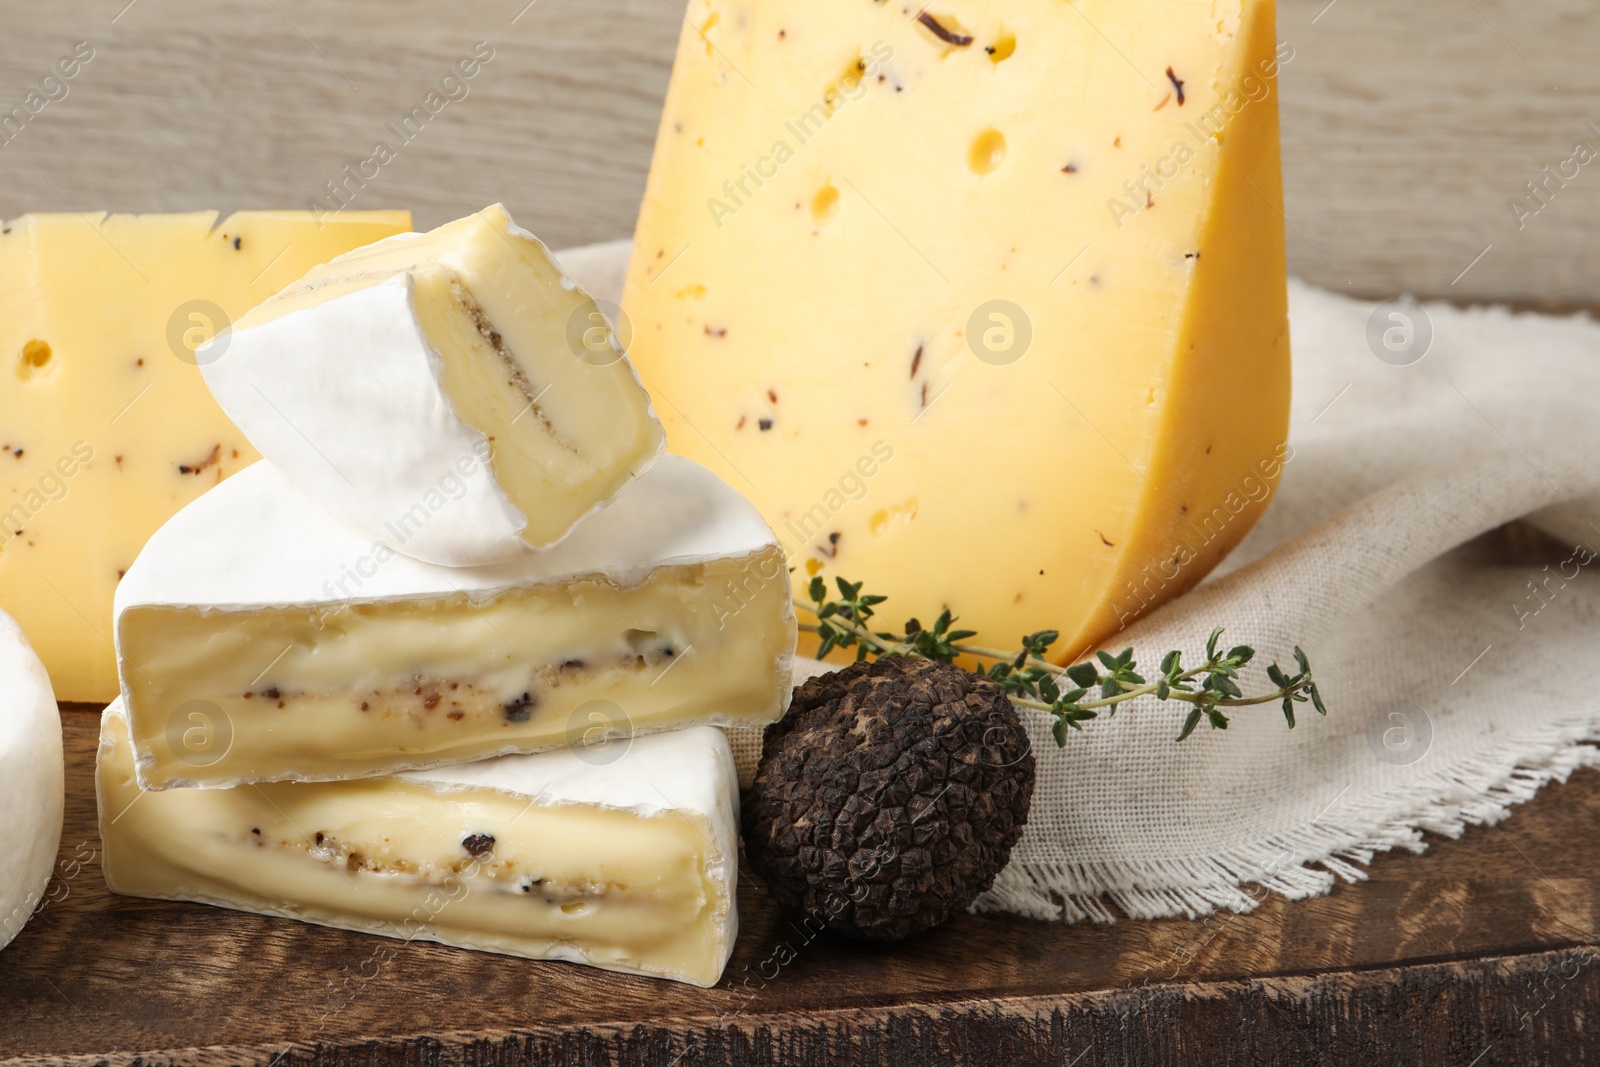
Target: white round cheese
[(31, 780)]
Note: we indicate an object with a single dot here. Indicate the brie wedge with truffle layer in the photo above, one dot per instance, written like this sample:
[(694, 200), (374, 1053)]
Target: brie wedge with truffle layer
[(260, 640), (31, 793), (622, 855), (453, 395)]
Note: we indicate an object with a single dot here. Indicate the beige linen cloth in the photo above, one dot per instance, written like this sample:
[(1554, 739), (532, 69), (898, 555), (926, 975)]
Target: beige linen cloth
[(1456, 684)]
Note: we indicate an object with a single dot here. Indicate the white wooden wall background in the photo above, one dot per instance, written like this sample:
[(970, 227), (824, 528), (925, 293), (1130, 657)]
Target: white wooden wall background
[(1408, 125)]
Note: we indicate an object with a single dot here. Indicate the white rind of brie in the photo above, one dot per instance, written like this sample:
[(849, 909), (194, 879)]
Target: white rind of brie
[(259, 639), (31, 780), (452, 395), (622, 857)]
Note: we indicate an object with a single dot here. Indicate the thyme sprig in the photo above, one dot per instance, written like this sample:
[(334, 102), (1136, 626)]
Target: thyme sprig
[(1075, 694)]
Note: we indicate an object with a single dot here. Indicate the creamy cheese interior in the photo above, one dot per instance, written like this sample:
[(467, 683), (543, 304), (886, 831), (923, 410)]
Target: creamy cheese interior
[(345, 690), (474, 867), (525, 359)]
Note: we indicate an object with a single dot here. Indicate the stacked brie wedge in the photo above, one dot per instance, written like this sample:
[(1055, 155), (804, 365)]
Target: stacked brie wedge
[(400, 675)]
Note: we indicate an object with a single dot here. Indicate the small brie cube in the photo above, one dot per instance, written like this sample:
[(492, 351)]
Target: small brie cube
[(453, 395), (31, 793), (259, 639), (622, 856)]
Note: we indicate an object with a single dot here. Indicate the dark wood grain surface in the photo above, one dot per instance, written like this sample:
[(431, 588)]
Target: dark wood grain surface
[(1481, 951)]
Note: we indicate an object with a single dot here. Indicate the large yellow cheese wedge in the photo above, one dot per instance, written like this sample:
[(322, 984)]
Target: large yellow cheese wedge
[(106, 424), (983, 304)]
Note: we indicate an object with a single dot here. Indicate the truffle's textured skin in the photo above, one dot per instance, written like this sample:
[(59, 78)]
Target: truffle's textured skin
[(889, 796)]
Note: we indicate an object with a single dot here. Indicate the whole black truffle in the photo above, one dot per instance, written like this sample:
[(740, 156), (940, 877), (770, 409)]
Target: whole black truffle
[(889, 796)]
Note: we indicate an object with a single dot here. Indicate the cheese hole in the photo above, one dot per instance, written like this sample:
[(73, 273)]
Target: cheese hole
[(640, 642), (988, 152), (825, 205), (1001, 50), (35, 357), (882, 519), (577, 907)]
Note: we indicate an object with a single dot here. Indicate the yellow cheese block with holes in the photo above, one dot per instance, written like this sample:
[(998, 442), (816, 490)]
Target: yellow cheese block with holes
[(106, 424), (982, 304)]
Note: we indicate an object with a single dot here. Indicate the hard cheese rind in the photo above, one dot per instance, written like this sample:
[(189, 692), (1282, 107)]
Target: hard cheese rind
[(452, 394), (31, 795), (1020, 342), (107, 426), (621, 856), (262, 640)]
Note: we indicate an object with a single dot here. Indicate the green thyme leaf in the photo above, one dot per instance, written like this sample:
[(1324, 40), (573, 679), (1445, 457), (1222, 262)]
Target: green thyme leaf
[(1084, 674)]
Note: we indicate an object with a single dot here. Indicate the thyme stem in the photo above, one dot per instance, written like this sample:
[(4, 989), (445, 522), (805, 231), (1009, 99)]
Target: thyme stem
[(1032, 681)]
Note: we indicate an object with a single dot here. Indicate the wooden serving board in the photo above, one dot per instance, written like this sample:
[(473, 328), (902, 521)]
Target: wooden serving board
[(1482, 951)]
